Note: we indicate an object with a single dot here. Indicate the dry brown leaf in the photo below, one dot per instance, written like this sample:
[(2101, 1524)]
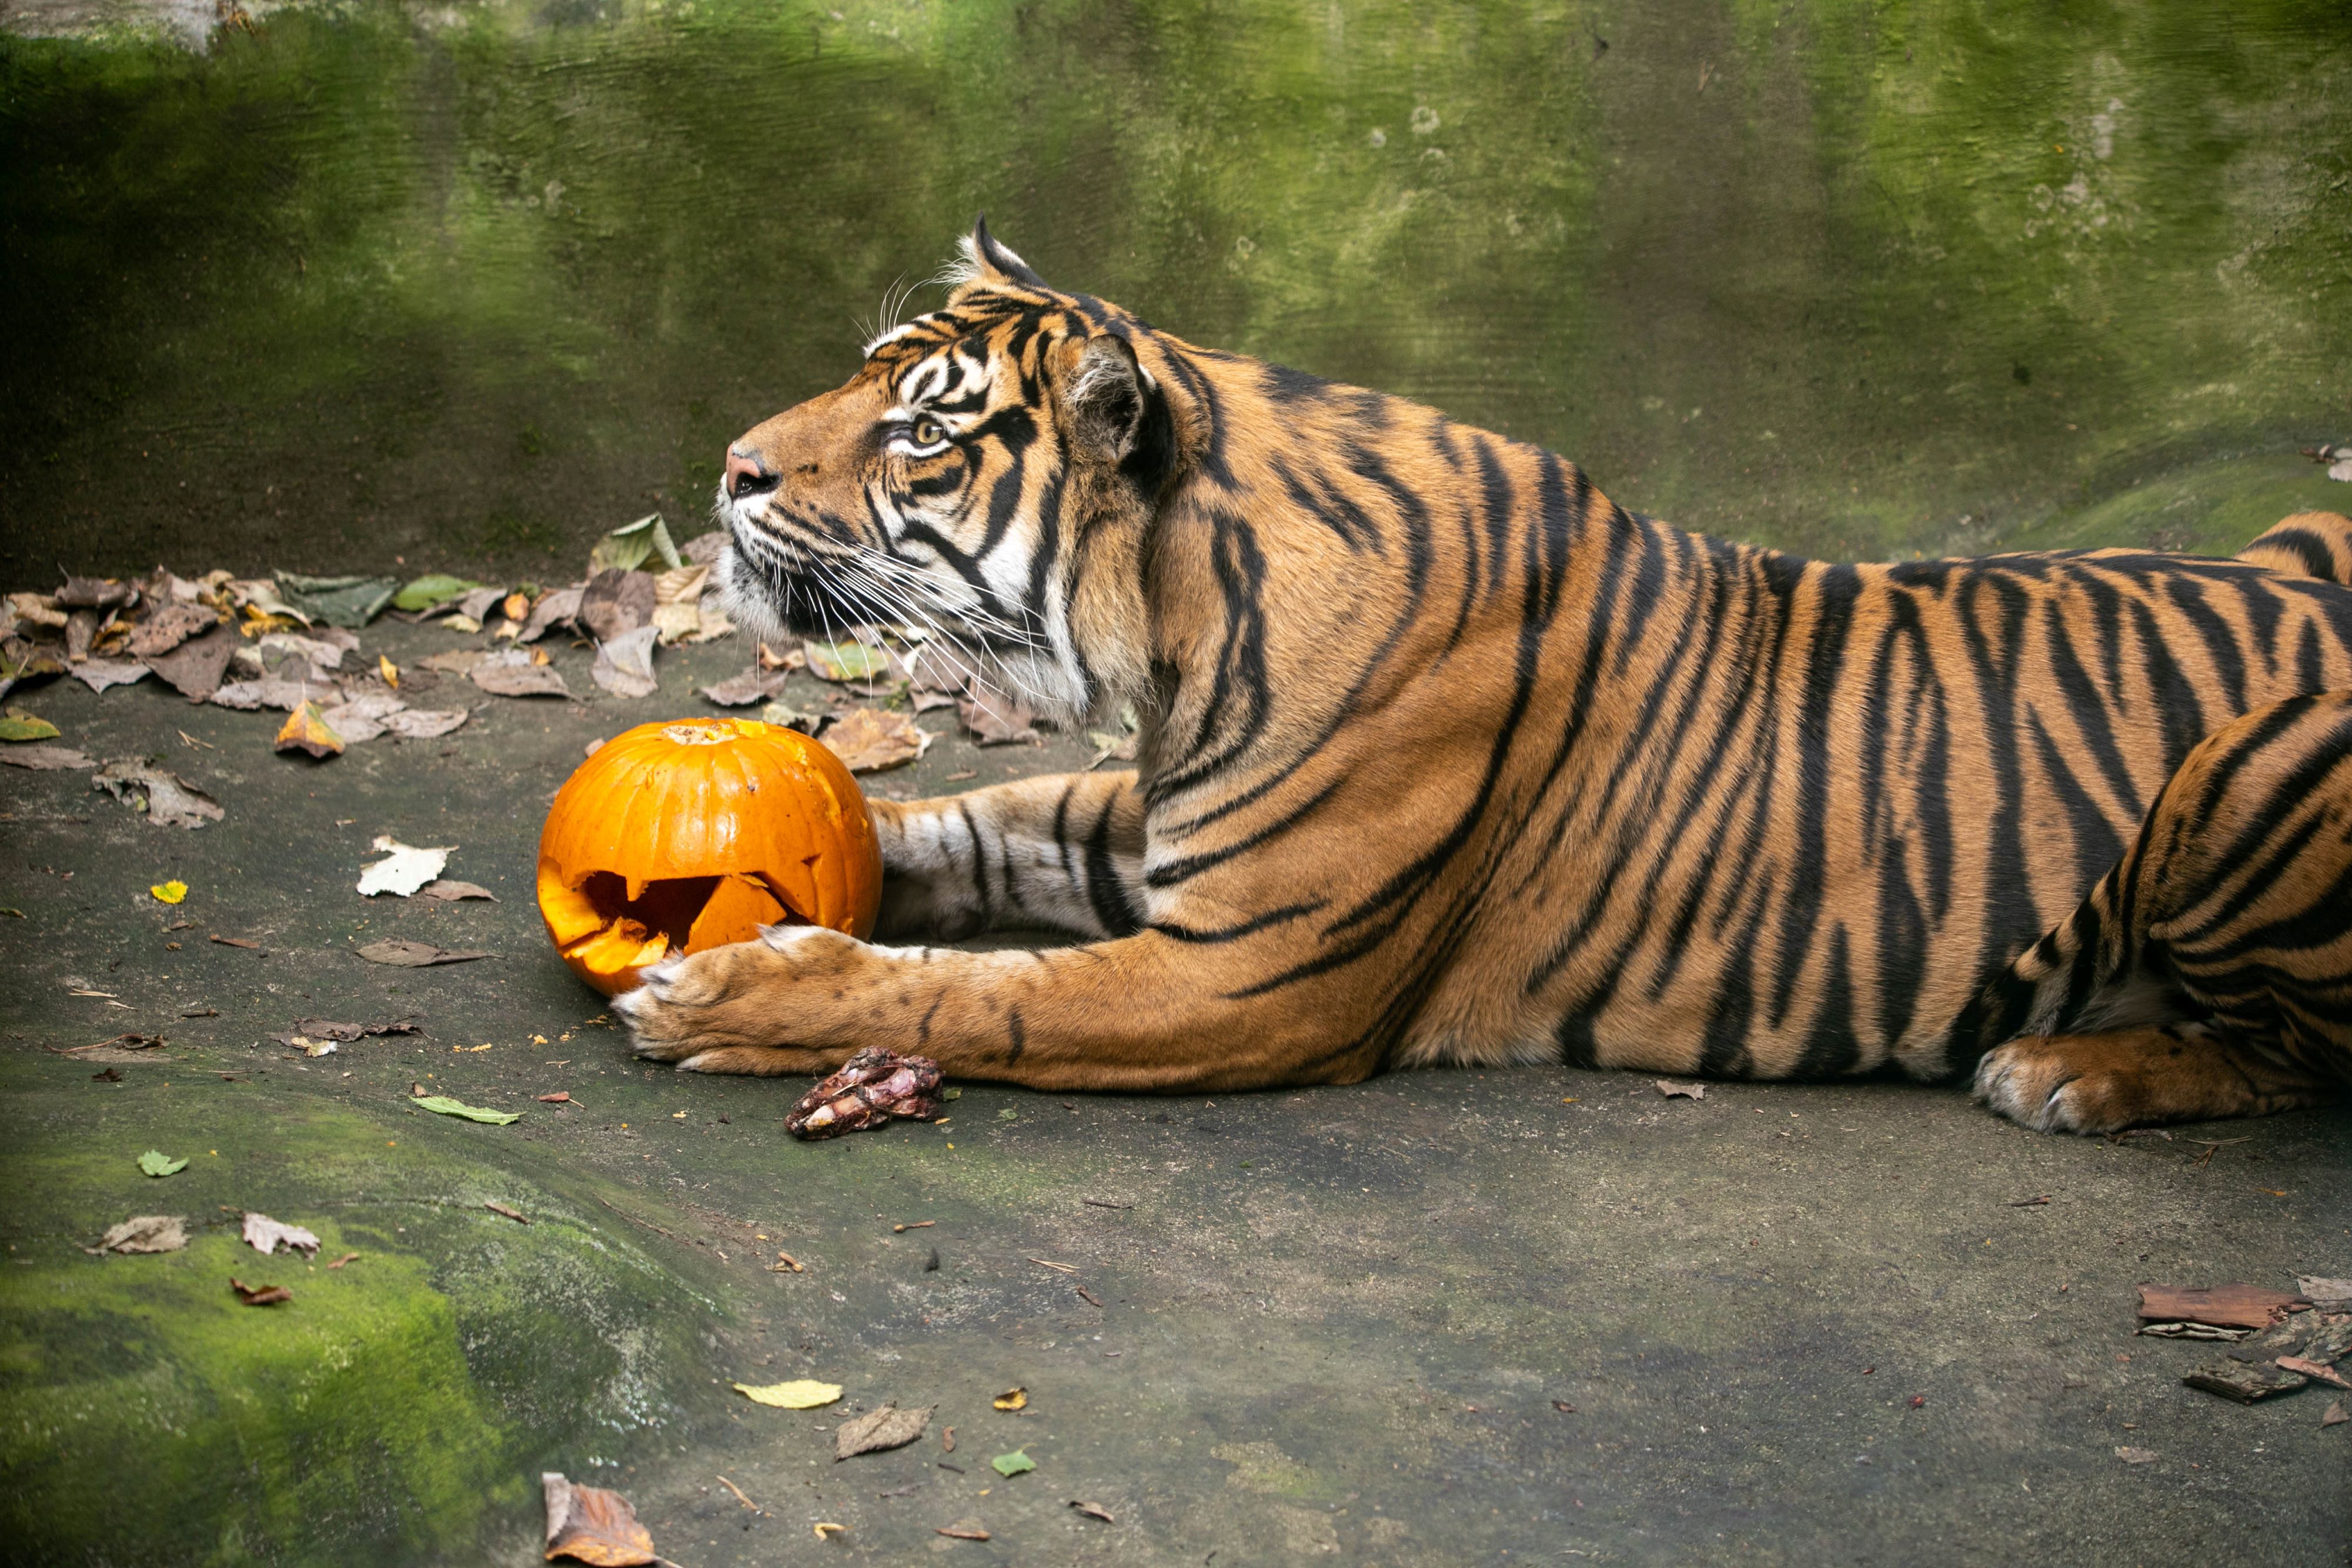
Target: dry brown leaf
[(194, 669), (512, 673), (2309, 1368), (753, 685), (888, 1428), (1674, 1091), (167, 627), (625, 665), (991, 718), (616, 603), (46, 759), (266, 1235), (307, 729), (962, 1530), (2335, 1415), (1093, 1510), (260, 1295), (145, 1233), (423, 724), (589, 1524), (99, 674), (450, 891), (167, 800), (2131, 1456), (870, 740)]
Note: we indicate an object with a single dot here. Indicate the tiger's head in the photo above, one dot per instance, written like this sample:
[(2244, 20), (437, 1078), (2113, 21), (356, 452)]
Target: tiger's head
[(988, 475)]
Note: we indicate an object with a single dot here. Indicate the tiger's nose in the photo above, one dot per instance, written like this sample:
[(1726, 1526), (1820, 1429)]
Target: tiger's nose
[(747, 477)]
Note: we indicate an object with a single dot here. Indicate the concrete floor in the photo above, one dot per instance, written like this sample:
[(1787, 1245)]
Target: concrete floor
[(1439, 1318)]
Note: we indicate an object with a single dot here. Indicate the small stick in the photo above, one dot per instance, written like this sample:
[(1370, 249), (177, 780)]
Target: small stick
[(918, 1225), (1089, 1295), (346, 1258), (1065, 1268), (1104, 1203), (786, 1260), (514, 1213), (746, 1501), (2028, 1202)]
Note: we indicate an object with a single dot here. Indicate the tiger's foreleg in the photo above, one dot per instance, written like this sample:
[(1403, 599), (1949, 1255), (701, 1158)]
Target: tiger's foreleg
[(2210, 974), (1143, 1013), (1063, 852)]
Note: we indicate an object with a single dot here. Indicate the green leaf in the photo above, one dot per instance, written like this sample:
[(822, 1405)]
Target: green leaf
[(22, 726), (847, 661), (443, 1105), (347, 601), (157, 1164), (628, 548), (438, 588), (1013, 1464)]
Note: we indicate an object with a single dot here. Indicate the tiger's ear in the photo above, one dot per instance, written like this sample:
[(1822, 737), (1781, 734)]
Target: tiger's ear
[(991, 261), (1108, 396)]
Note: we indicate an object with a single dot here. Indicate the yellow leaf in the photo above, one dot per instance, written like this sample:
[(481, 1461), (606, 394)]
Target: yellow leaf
[(169, 892), (803, 1394), (828, 1531), (306, 730), (389, 671), (1013, 1399)]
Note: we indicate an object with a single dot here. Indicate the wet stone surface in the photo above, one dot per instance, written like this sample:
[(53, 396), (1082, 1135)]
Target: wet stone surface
[(1273, 1327)]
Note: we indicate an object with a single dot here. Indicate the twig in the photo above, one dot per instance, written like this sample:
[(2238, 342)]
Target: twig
[(2029, 1202), (746, 1501), (632, 1219), (1065, 1268), (916, 1225), (1089, 1295), (1104, 1203)]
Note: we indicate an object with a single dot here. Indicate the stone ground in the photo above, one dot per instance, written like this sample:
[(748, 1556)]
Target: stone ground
[(1440, 1318)]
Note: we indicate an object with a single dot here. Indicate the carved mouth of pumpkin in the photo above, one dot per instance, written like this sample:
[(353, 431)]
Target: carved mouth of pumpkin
[(671, 915)]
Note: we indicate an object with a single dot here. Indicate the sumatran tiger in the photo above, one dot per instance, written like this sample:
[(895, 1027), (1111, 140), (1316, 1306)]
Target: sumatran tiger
[(1444, 756)]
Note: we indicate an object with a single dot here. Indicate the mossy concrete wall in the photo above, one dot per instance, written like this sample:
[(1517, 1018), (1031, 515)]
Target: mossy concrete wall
[(335, 283)]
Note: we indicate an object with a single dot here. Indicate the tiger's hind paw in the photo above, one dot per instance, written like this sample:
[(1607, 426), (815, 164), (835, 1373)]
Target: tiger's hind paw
[(2130, 1078)]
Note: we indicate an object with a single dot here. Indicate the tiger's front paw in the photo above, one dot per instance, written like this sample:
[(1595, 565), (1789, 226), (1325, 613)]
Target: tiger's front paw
[(749, 1006)]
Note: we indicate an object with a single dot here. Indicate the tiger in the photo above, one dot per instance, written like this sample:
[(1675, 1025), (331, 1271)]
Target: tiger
[(1443, 757)]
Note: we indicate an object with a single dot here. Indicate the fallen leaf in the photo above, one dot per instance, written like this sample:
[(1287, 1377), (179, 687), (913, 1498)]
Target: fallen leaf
[(404, 868), (1673, 1091), (625, 665), (431, 591), (20, 726), (2239, 1306), (555, 608), (364, 716), (99, 674), (307, 729), (616, 603), (1013, 1399), (871, 740), (512, 673), (1093, 1510), (169, 626), (826, 1529), (947, 1441), (1013, 1464), (168, 892), (237, 942), (459, 661), (991, 718), (96, 593), (589, 1524), (167, 800), (2136, 1455), (157, 1164), (260, 1295), (195, 668), (423, 724), (2335, 1415), (888, 1428), (346, 1258), (251, 697), (845, 662), (345, 601), (451, 891), (800, 1394), (631, 545), (811, 721), (407, 955), (46, 759), (145, 1233), (754, 685), (266, 1235), (962, 1530), (441, 1105), (560, 1097), (516, 1215)]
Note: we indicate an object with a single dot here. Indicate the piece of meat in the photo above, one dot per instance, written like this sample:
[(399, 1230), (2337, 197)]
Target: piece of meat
[(871, 1089)]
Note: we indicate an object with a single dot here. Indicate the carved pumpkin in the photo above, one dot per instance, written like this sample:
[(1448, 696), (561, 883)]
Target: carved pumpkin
[(677, 837)]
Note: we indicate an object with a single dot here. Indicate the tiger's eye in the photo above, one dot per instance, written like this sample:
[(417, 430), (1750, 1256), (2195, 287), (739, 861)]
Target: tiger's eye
[(929, 433)]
